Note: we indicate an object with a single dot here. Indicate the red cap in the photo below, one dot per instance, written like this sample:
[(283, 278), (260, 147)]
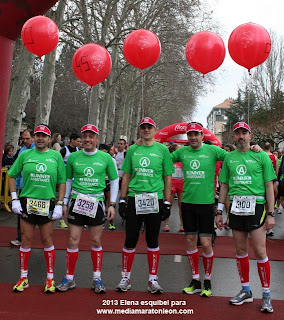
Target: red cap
[(90, 127), (193, 126), (242, 125), (42, 128), (149, 121)]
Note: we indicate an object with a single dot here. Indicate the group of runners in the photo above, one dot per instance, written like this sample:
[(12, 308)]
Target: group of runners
[(145, 197)]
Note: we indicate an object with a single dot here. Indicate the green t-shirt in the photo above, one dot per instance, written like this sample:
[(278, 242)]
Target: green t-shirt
[(199, 172), (147, 165), (41, 172), (90, 171), (246, 173)]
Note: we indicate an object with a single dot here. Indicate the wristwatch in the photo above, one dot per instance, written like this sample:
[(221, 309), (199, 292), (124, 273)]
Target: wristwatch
[(272, 214), (112, 205)]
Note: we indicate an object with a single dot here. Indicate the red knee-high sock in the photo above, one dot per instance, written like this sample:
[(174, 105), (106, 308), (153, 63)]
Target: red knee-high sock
[(208, 264), (263, 267), (243, 268), (127, 260), (71, 259), (97, 258), (24, 255), (193, 258), (153, 256), (49, 255)]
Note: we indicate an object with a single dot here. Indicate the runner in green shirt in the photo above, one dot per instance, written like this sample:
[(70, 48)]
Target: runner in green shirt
[(147, 181), (199, 163), (247, 177), (42, 169), (86, 171)]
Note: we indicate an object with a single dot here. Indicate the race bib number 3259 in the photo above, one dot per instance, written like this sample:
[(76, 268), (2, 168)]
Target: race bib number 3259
[(86, 205)]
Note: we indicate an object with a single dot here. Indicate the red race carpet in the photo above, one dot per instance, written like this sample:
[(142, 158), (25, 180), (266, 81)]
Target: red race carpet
[(170, 243), (33, 304)]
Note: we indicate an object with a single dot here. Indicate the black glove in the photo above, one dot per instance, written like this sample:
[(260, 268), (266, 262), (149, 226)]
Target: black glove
[(122, 207), (166, 210)]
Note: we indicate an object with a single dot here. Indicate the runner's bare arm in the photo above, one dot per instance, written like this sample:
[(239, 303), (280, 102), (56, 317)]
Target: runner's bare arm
[(12, 184), (168, 187), (270, 221), (222, 199), (124, 185), (61, 192)]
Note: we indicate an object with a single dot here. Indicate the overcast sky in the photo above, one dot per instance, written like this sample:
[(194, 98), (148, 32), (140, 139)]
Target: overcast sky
[(231, 14)]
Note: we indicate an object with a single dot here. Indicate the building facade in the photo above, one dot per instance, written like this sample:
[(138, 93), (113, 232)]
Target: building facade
[(217, 119)]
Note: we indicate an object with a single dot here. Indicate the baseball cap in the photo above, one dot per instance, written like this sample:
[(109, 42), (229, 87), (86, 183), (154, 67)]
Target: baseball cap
[(123, 138), (43, 129), (149, 121), (194, 126), (90, 127), (242, 125)]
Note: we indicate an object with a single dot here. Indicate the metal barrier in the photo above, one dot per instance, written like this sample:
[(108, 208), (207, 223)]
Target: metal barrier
[(5, 196)]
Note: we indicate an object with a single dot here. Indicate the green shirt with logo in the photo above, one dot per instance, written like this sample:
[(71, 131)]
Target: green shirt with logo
[(89, 172), (41, 172), (246, 173), (147, 165), (199, 172)]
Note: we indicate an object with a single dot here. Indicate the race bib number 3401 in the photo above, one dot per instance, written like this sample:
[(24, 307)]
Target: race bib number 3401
[(147, 203), (243, 205), (86, 205)]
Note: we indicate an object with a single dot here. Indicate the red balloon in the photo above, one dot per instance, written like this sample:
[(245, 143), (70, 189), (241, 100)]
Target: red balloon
[(91, 64), (249, 45), (205, 51), (40, 35), (142, 48)]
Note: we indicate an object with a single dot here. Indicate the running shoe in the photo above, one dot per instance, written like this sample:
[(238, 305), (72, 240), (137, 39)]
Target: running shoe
[(278, 210), (111, 225), (241, 297), (226, 226), (49, 286), (65, 285), (21, 285), (181, 229), (123, 285), (266, 304), (97, 286), (194, 287), (62, 224), (166, 228), (270, 233), (15, 242), (154, 287), (206, 291)]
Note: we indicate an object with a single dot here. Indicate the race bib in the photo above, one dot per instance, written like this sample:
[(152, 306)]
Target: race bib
[(147, 203), (37, 206), (178, 174), (86, 205), (243, 205)]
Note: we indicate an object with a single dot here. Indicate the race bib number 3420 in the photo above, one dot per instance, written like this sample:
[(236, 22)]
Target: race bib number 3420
[(147, 203)]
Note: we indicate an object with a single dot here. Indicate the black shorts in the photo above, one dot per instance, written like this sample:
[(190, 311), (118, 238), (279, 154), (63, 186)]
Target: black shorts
[(248, 223), (198, 218), (281, 189), (81, 220), (134, 222), (36, 219)]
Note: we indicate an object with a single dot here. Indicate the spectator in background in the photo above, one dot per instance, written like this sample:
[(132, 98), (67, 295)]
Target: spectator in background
[(55, 143), (8, 156)]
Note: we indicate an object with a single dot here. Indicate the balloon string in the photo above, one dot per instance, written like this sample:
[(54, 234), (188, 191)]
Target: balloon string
[(142, 95), (90, 103), (40, 96)]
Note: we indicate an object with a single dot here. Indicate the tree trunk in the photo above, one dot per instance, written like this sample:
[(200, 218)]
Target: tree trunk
[(48, 74), (20, 94)]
